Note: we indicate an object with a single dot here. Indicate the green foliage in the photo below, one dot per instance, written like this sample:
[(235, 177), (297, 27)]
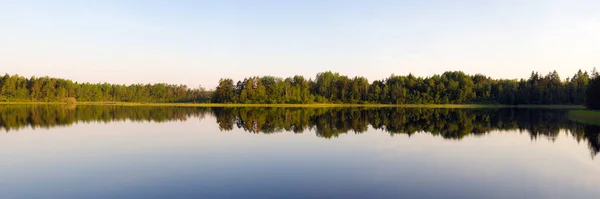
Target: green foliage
[(593, 94), (585, 116), (45, 89), (449, 88)]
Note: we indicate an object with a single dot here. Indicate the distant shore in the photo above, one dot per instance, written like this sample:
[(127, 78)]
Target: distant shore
[(305, 105)]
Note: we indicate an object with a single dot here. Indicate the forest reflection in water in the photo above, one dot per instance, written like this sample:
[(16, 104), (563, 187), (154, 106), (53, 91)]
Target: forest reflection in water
[(325, 122)]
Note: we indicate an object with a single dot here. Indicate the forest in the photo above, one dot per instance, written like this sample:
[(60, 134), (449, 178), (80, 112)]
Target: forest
[(328, 87), (448, 88), (16, 88)]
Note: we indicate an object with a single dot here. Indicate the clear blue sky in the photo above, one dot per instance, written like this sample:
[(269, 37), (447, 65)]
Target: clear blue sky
[(198, 42)]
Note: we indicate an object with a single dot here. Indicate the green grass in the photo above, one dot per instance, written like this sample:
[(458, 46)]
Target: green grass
[(585, 116), (313, 105)]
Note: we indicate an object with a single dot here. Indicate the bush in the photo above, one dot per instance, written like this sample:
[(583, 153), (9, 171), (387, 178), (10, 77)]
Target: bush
[(70, 100)]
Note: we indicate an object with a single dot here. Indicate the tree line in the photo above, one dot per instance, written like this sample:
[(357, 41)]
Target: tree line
[(327, 87), (449, 88), (593, 94), (46, 89)]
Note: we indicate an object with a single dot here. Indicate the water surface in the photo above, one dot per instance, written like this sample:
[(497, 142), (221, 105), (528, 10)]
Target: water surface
[(182, 152)]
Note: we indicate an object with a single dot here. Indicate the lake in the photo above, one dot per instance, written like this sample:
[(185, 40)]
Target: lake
[(54, 151)]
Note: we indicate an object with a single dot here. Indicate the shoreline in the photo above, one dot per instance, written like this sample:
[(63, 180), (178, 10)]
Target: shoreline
[(553, 106), (589, 117)]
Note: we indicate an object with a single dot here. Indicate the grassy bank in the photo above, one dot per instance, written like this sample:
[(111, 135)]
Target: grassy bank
[(585, 116), (313, 105)]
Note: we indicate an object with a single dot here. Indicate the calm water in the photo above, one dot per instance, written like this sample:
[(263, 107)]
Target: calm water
[(169, 152)]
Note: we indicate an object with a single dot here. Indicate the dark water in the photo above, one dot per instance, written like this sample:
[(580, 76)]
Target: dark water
[(171, 152)]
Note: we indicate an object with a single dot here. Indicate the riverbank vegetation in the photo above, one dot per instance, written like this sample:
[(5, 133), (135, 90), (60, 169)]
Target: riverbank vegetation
[(15, 88), (448, 88), (592, 102), (311, 105), (327, 88), (585, 116), (593, 94)]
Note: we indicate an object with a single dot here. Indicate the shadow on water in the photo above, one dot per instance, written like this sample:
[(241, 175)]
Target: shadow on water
[(325, 122)]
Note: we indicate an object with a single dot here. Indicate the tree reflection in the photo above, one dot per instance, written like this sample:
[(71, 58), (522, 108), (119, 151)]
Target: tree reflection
[(447, 123), (15, 117), (325, 122)]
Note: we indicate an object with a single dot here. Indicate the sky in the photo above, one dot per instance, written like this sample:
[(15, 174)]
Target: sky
[(198, 42)]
